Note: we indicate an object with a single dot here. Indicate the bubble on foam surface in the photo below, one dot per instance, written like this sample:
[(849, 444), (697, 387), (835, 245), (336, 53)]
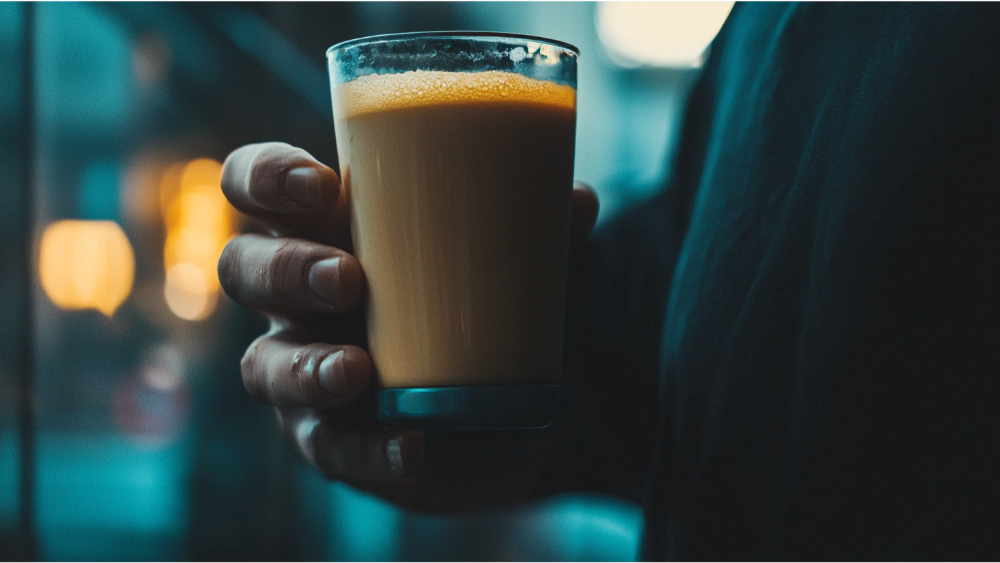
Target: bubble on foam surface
[(382, 92)]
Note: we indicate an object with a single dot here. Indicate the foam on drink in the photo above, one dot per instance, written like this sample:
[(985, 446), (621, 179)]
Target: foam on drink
[(422, 88)]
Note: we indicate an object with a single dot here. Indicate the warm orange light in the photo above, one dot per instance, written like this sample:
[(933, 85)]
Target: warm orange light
[(187, 292), (199, 223), (86, 265)]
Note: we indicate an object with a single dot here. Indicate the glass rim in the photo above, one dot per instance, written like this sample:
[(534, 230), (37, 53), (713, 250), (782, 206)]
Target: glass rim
[(445, 34)]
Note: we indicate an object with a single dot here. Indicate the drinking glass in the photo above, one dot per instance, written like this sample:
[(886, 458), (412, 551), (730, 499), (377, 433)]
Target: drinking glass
[(456, 151)]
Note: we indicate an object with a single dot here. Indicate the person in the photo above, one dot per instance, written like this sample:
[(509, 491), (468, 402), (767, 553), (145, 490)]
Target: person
[(789, 353)]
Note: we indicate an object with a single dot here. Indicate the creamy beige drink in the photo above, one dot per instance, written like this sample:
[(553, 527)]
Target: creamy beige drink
[(459, 186)]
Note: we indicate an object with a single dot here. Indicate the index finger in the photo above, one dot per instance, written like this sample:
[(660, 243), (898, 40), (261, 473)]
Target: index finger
[(270, 180)]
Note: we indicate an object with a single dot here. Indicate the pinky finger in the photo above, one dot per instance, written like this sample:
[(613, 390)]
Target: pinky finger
[(352, 451)]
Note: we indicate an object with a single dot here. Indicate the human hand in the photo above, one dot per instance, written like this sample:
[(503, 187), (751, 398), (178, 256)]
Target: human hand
[(312, 364)]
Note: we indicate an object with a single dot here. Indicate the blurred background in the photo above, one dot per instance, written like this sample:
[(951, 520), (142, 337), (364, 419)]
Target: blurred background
[(125, 432)]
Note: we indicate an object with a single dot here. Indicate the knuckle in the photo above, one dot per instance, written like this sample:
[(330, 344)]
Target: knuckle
[(258, 271), (260, 175), (269, 165), (302, 363), (285, 271), (255, 170), (236, 171), (299, 358)]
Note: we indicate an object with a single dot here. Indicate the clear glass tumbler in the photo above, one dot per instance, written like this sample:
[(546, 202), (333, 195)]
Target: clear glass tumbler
[(456, 151)]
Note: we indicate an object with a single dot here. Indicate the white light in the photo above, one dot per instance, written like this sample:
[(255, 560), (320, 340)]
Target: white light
[(663, 34), (163, 368)]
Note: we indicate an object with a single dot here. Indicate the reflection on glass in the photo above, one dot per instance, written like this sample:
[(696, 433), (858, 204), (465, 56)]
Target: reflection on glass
[(86, 265)]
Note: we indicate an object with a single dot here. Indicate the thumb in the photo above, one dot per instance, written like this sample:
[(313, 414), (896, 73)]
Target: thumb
[(583, 214)]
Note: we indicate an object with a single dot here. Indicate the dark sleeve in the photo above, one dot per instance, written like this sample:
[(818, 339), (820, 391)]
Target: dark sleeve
[(618, 287), (615, 307), (833, 351)]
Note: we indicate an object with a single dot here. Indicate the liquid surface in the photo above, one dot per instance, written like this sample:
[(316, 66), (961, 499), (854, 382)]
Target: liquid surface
[(460, 201), (421, 88)]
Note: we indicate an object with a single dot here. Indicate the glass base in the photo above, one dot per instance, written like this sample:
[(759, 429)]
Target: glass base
[(501, 407)]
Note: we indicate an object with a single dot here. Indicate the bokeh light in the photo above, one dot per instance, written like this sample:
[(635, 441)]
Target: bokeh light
[(152, 406), (151, 58), (659, 34), (198, 223), (86, 265), (187, 292)]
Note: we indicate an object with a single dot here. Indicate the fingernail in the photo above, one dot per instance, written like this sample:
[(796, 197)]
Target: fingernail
[(405, 452), (304, 186), (332, 376), (324, 280)]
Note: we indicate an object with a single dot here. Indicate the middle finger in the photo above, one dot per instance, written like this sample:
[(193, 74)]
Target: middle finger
[(270, 274)]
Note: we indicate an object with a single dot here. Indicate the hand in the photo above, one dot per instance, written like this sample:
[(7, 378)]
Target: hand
[(312, 364)]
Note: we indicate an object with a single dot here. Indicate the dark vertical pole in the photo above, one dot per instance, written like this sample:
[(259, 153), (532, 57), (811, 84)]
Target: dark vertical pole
[(27, 379)]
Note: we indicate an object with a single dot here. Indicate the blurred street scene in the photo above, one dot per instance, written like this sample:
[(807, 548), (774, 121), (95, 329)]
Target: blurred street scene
[(125, 431)]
